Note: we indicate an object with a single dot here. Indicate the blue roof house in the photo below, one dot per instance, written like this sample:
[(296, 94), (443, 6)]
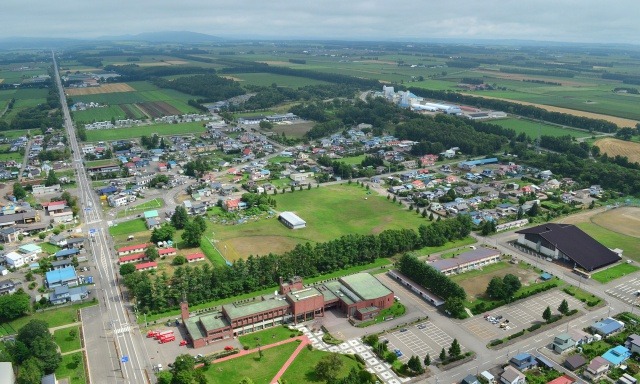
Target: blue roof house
[(59, 277), (64, 294), (607, 326), (66, 253), (617, 355), (523, 361)]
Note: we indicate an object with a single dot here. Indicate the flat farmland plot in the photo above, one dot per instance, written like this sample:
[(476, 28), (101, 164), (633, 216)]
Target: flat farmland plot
[(104, 88), (531, 128), (266, 79), (132, 132), (613, 147), (99, 114)]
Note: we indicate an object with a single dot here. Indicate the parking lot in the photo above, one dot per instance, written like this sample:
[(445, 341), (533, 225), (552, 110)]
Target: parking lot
[(519, 316), (626, 291), (419, 340)]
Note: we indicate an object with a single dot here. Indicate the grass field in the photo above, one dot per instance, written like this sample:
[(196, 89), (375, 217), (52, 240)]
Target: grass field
[(148, 130), (532, 128), (66, 341), (266, 79), (266, 337), (296, 130), (15, 156), (302, 370), (613, 147), (128, 227), (156, 203), (260, 370), (99, 114), (330, 212), (615, 272), (354, 160), (55, 317), (475, 282), (72, 368)]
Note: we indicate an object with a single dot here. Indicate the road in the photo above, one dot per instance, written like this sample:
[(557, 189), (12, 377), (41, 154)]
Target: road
[(109, 335)]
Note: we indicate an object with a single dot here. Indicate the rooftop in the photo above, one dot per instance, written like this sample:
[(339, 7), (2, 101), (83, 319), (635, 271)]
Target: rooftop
[(214, 320), (132, 247), (29, 248), (467, 257), (303, 294), (63, 274), (365, 286), (261, 304), (150, 214), (292, 218), (617, 355)]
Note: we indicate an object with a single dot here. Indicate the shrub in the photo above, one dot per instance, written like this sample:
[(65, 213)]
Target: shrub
[(496, 342), (517, 334), (572, 312), (245, 347), (534, 327)]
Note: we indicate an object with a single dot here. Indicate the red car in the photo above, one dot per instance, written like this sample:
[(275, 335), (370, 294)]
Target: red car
[(228, 348), (183, 342)]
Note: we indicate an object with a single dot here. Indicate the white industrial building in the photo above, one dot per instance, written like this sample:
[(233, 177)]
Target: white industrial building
[(292, 220)]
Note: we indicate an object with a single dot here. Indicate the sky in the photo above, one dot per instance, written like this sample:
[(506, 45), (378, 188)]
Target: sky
[(585, 21)]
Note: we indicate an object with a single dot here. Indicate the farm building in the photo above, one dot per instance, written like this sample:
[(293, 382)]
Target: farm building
[(292, 220), (361, 296), (568, 243), (467, 261)]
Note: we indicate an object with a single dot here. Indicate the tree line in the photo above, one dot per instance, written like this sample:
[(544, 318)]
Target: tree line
[(209, 86), (430, 278), (134, 72)]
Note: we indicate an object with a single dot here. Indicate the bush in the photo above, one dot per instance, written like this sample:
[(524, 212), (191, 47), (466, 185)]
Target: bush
[(496, 342), (245, 347), (592, 303), (572, 312), (534, 327), (517, 334)]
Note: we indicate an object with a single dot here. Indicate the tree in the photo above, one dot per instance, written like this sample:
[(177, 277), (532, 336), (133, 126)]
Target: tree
[(564, 307), (546, 315), (151, 253), (40, 344), (520, 213), (192, 234), (511, 284), (443, 354), (496, 288), (179, 260), (52, 179), (266, 124), (454, 349), (454, 306), (180, 217), (415, 365), (534, 210), (30, 372), (164, 233), (74, 262), (126, 269), (18, 191), (14, 306), (246, 380), (427, 360), (200, 222), (329, 367)]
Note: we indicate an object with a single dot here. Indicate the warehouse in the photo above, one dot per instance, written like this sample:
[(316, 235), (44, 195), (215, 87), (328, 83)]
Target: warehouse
[(292, 220), (467, 261)]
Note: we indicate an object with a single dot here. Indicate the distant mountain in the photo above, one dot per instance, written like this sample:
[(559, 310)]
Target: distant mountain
[(166, 37), (36, 42)]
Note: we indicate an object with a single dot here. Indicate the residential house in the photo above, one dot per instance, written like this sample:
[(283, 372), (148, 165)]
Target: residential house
[(59, 264), (512, 376), (7, 287), (130, 249), (64, 294), (58, 240), (16, 260), (132, 258), (617, 355), (563, 343), (627, 379), (231, 205), (75, 242), (523, 361), (29, 250), (9, 235), (146, 266), (195, 257), (575, 362), (564, 379), (607, 326), (580, 337), (597, 368), (167, 251), (66, 253), (59, 277), (633, 343)]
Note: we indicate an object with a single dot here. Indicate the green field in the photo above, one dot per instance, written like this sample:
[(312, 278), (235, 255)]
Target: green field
[(533, 128), (302, 370), (615, 272), (330, 212), (630, 245), (72, 368), (148, 130), (99, 114), (128, 228), (354, 160), (55, 317), (266, 337), (66, 341), (260, 370), (15, 156), (154, 204), (266, 79)]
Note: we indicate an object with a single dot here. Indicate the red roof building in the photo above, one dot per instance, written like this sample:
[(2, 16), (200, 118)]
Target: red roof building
[(231, 205), (564, 379), (132, 258), (167, 251), (146, 266), (131, 249), (195, 257)]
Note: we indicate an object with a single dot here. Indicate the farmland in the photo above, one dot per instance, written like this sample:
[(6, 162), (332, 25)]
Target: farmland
[(266, 79), (614, 147), (532, 128), (104, 88), (330, 212), (148, 130)]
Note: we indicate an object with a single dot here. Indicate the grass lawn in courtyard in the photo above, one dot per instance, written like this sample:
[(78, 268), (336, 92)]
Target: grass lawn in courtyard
[(72, 367), (260, 370), (302, 370), (66, 340), (614, 272), (267, 336)]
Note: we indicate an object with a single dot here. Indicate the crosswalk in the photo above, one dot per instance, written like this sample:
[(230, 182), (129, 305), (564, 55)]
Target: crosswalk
[(125, 329)]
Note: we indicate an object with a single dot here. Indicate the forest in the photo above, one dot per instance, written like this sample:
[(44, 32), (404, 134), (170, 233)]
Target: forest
[(209, 86)]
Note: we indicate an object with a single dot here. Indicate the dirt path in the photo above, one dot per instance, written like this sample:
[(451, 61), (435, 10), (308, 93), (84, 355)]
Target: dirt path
[(621, 122)]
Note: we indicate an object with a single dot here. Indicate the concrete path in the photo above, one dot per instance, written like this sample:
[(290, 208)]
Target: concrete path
[(290, 360), (303, 339)]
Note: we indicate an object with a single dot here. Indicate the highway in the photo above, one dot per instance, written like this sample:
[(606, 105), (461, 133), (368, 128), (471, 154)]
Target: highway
[(115, 351)]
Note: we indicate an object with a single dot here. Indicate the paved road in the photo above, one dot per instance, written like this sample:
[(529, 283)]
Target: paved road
[(109, 336)]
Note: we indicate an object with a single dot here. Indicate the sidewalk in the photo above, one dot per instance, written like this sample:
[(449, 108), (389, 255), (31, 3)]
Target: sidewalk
[(302, 338), (290, 360)]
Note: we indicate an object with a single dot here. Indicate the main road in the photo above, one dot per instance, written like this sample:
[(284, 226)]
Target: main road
[(115, 349)]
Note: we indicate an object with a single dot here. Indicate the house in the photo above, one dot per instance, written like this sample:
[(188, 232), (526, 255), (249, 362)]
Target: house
[(195, 257), (59, 264), (231, 205), (59, 277), (153, 223), (16, 260), (575, 362), (580, 337), (64, 294), (167, 252), (58, 240), (627, 379), (563, 343), (30, 250), (9, 235), (146, 266), (617, 355), (76, 242), (607, 326), (633, 343), (66, 253), (470, 379), (132, 258), (523, 361), (564, 379), (512, 376), (597, 368), (132, 249), (7, 287)]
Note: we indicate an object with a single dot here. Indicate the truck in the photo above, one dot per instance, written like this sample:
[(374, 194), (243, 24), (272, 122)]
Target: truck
[(163, 334), (166, 339), (151, 334)]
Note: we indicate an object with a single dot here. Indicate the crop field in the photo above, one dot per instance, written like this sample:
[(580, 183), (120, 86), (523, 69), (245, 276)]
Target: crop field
[(296, 129), (266, 79), (613, 147), (625, 220), (99, 114), (330, 212), (158, 109), (611, 239), (148, 130), (532, 128), (104, 88)]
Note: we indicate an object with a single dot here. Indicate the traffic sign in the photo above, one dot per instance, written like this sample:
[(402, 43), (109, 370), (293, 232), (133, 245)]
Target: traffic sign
[(87, 209), (92, 231), (124, 359)]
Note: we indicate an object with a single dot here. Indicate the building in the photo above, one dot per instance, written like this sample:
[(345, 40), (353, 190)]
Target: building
[(568, 243), (167, 251), (564, 379), (467, 261), (194, 257), (361, 296), (627, 379), (64, 294), (66, 253), (18, 218), (563, 343), (597, 368), (131, 249), (59, 277), (7, 287), (17, 260), (291, 220), (9, 235), (135, 258), (231, 205), (633, 343), (607, 326), (523, 361), (6, 373), (512, 376), (30, 250), (575, 362), (470, 379), (146, 266), (617, 355), (301, 177)]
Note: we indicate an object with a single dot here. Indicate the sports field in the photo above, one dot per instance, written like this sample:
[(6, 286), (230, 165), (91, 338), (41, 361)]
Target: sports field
[(148, 130), (330, 212), (533, 128), (613, 147)]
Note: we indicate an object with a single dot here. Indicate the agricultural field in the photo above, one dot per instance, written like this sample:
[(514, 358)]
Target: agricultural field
[(148, 130), (99, 114), (266, 79), (533, 128), (296, 129), (330, 212), (613, 147), (24, 98), (103, 88)]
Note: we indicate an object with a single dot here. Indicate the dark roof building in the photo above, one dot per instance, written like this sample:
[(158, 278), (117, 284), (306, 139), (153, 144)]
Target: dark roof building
[(574, 362), (569, 243)]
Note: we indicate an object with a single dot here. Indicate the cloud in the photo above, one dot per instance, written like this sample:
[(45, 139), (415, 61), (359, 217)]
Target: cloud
[(564, 20)]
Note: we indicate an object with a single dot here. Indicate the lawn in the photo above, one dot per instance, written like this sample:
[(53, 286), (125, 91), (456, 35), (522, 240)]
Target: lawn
[(99, 114), (148, 130), (330, 212), (260, 370), (615, 272), (146, 206), (630, 245), (214, 256), (128, 227), (533, 128), (55, 317), (280, 159), (15, 156), (302, 370), (66, 341), (394, 311), (266, 337), (72, 367), (49, 248), (354, 160)]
